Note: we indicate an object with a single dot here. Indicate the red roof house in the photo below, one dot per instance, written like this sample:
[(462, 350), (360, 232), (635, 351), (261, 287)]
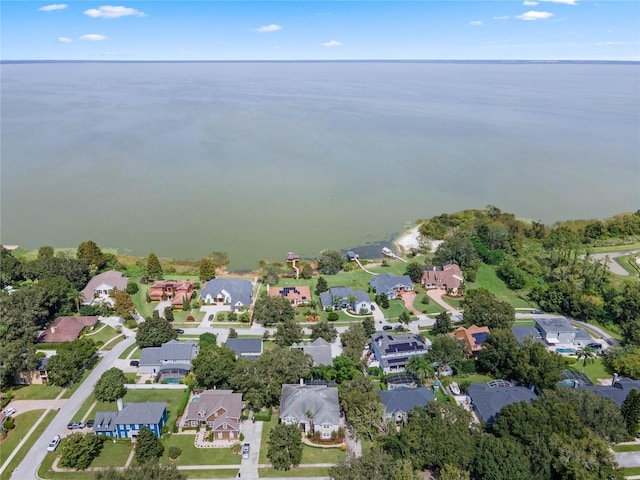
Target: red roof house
[(66, 329), (171, 290)]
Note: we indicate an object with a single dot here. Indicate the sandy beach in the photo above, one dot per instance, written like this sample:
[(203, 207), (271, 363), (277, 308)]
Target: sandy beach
[(412, 239)]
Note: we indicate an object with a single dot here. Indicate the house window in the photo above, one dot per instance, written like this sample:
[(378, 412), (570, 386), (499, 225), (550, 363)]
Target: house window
[(326, 434)]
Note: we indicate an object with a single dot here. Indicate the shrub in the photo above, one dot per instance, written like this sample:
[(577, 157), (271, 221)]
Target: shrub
[(241, 437), (190, 318), (343, 447), (570, 361), (131, 324), (174, 452), (236, 448), (263, 415), (333, 316), (9, 424)]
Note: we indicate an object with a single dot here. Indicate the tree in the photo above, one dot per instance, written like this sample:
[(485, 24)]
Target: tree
[(499, 458), (354, 341), (10, 268), (446, 351), (186, 303), (345, 369), (321, 286), (233, 333), (150, 470), (500, 353), (132, 287), (272, 310), (207, 338), (91, 253), (630, 411), (123, 304), (207, 269), (45, 251), (148, 447), (451, 472), (404, 318), (383, 300), (537, 366), (330, 262), (414, 270), (483, 309), (373, 464), (457, 249), (270, 275), (421, 367), (168, 314), (369, 326), (586, 353), (78, 450), (324, 330), (220, 259), (153, 332), (288, 333), (154, 269), (110, 386), (306, 271), (443, 324), (69, 361), (213, 366), (285, 446)]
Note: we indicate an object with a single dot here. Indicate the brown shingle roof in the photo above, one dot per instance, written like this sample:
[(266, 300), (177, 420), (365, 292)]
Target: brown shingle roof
[(210, 401), (66, 329), (449, 276)]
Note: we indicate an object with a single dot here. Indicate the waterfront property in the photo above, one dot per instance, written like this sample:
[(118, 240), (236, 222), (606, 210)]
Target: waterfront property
[(447, 276), (228, 291), (127, 421), (345, 298), (314, 408), (99, 288), (319, 350), (299, 295), (66, 329), (175, 291), (399, 402), (219, 410), (391, 285), (171, 361), (487, 399), (473, 337), (392, 352)]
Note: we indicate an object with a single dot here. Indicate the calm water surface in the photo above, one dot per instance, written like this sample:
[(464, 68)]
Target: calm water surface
[(258, 159)]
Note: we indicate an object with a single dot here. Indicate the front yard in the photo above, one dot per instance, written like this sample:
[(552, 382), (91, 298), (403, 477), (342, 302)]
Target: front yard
[(196, 456)]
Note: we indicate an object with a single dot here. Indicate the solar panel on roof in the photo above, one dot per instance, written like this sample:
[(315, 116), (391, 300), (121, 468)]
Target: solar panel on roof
[(480, 337)]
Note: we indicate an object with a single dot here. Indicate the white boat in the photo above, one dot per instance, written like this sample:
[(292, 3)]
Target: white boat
[(387, 252), (455, 389)]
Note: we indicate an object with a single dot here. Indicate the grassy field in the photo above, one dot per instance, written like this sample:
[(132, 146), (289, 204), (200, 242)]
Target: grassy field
[(112, 455), (488, 278), (626, 448), (630, 472), (266, 428), (23, 423), (35, 392), (594, 370), (624, 262), (294, 472), (127, 351), (322, 455), (611, 328), (102, 333), (196, 456), (615, 248), (524, 322), (213, 473), (432, 307), (84, 408)]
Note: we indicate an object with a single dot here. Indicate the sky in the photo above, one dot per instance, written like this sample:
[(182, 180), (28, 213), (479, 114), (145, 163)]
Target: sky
[(320, 30)]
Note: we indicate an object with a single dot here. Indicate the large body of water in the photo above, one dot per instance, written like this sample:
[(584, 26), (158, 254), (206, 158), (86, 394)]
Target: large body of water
[(258, 159)]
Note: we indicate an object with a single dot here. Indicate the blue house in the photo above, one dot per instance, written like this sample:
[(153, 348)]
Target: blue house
[(130, 418), (391, 285), (228, 291), (339, 297)]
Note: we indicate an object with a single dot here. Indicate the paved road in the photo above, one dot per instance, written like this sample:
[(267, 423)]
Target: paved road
[(612, 263), (28, 469)]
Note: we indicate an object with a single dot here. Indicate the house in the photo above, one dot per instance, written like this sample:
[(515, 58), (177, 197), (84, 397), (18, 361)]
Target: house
[(487, 399), (398, 403), (296, 295), (555, 331), (391, 285), (314, 408), (392, 352), (346, 298), (127, 421), (99, 287), (472, 336), (398, 381), (448, 276), (66, 329), (172, 290), (171, 361), (37, 376), (228, 291), (319, 350), (617, 391), (220, 410), (522, 332), (245, 347)]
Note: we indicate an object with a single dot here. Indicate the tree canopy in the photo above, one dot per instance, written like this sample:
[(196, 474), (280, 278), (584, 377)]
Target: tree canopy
[(483, 309), (153, 332), (110, 386), (148, 447), (331, 262), (213, 366), (284, 446), (154, 269), (272, 310)]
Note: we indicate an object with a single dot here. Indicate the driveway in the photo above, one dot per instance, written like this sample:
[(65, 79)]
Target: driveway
[(252, 435), (23, 406), (436, 294), (612, 263)]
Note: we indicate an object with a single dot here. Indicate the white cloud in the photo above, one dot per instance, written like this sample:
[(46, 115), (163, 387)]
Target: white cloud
[(475, 23), (529, 3), (566, 2), (504, 17), (331, 43), (269, 28), (93, 37), (53, 8), (533, 15), (64, 40), (109, 11)]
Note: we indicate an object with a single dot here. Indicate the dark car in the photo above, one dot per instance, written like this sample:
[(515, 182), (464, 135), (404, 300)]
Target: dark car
[(179, 330), (90, 423), (134, 363), (594, 345), (387, 327), (210, 318)]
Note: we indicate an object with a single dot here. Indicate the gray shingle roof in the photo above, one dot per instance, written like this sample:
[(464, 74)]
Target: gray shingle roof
[(553, 325), (146, 413), (387, 283), (321, 401), (326, 298), (245, 346), (170, 351), (489, 398), (521, 332), (319, 350), (110, 278), (404, 399), (211, 400), (618, 391), (582, 335), (238, 290)]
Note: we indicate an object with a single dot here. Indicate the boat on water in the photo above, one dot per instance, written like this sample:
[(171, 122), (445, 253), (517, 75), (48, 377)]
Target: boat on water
[(387, 252), (455, 389)]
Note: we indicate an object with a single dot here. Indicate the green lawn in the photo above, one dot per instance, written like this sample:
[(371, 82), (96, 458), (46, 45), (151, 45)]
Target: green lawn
[(196, 456), (127, 351), (630, 472), (71, 390), (524, 322), (84, 408), (488, 278), (180, 316), (101, 334), (112, 455), (432, 307), (266, 428), (294, 472), (626, 448), (396, 307), (594, 370), (214, 473), (35, 392), (45, 471), (454, 302), (625, 262), (322, 455), (610, 328), (615, 248), (22, 427)]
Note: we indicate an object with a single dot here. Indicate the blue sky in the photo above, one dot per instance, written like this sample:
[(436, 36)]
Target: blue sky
[(316, 30)]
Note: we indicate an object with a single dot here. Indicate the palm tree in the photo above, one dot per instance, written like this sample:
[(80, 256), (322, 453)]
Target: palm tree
[(420, 367), (586, 353)]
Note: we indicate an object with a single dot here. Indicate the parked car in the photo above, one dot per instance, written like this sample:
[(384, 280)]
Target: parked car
[(245, 450), (90, 423), (53, 443), (10, 411), (74, 425), (537, 312), (387, 327), (81, 425), (134, 363), (210, 318), (179, 330), (595, 345)]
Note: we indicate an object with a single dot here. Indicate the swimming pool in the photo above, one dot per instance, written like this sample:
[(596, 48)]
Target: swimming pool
[(566, 350)]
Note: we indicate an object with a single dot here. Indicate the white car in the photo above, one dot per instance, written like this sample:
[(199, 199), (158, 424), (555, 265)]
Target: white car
[(53, 444), (9, 411)]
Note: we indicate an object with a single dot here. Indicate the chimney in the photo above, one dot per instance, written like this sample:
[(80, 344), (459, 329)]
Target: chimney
[(53, 329), (302, 381), (120, 406), (615, 379)]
